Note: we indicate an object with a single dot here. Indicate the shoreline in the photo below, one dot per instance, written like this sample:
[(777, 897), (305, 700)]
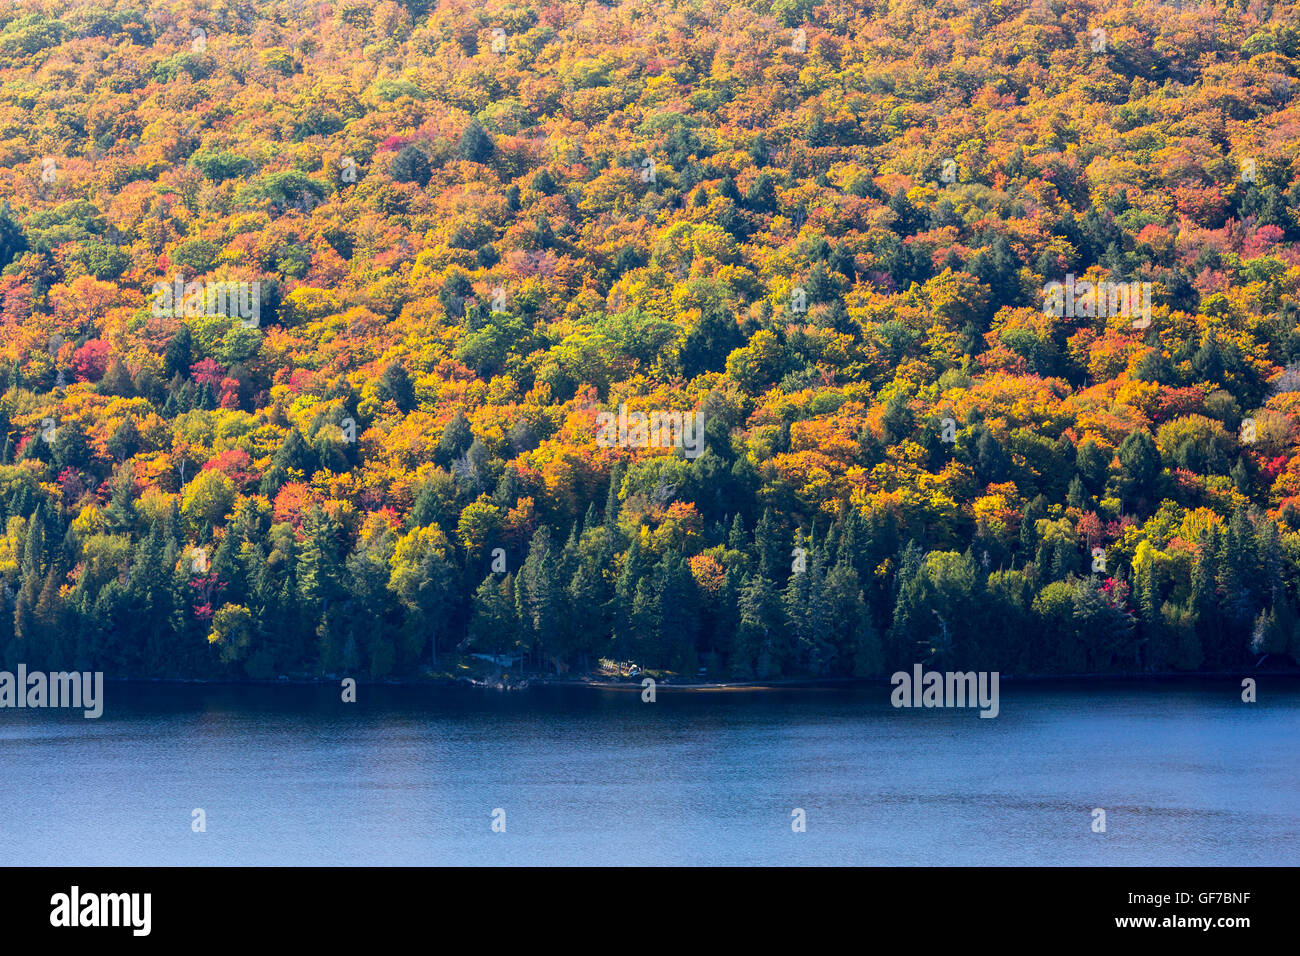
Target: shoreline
[(634, 684)]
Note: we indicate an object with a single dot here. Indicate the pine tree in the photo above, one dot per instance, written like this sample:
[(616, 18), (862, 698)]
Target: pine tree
[(120, 513), (1065, 558), (1269, 552), (737, 539), (822, 651), (178, 357), (493, 623), (125, 440), (758, 650), (475, 144), (539, 598), (1076, 497), (678, 612), (293, 460), (616, 476), (636, 566), (456, 438), (509, 488), (70, 447), (410, 165), (318, 564), (858, 648), (796, 603), (588, 601), (640, 643), (1239, 572), (229, 568), (1139, 460), (768, 548)]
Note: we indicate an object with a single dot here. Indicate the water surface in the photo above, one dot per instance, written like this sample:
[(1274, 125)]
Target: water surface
[(1187, 774)]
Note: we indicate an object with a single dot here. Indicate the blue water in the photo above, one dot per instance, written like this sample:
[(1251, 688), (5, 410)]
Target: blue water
[(1187, 774)]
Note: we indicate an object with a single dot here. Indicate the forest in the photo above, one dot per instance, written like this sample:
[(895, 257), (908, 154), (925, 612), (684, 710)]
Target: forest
[(309, 313)]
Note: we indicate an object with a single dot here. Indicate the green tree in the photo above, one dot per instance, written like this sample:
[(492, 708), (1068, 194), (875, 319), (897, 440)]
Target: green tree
[(232, 632), (423, 580), (395, 386), (410, 165), (494, 625), (1139, 461), (475, 144)]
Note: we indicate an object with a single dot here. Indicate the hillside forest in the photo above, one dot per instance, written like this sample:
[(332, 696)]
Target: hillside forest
[(309, 313)]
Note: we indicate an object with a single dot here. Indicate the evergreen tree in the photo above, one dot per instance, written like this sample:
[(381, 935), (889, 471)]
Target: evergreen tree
[(120, 514), (1139, 461), (678, 613), (758, 606), (456, 438), (293, 461), (736, 538), (410, 165), (475, 144), (395, 385), (858, 651), (178, 357), (493, 623), (319, 564), (539, 598), (769, 549)]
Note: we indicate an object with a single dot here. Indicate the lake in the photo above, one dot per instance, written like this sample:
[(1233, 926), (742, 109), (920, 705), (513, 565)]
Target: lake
[(1186, 772)]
